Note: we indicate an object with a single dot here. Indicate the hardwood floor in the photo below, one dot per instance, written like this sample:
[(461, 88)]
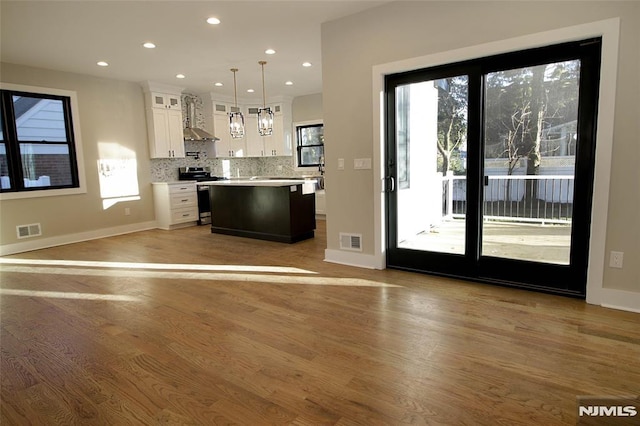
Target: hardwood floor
[(188, 327)]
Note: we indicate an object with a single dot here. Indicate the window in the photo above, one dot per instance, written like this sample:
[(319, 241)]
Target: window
[(310, 145), (37, 148)]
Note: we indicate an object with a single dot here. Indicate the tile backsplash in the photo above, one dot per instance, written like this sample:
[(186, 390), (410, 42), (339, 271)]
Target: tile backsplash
[(166, 169), (199, 116)]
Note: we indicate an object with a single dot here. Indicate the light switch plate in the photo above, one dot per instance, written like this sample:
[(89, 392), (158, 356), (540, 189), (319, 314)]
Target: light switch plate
[(340, 163), (362, 163)]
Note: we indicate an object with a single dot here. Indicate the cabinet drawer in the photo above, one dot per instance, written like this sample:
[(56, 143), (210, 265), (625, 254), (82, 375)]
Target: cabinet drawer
[(182, 188), (183, 200), (184, 215)]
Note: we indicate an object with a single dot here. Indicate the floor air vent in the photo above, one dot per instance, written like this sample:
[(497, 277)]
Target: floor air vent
[(26, 231), (351, 242)]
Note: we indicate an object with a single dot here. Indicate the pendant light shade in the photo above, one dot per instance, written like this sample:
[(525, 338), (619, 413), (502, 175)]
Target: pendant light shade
[(236, 119), (265, 115)]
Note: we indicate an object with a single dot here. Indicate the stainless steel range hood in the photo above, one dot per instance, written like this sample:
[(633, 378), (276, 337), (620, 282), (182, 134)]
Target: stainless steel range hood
[(194, 133)]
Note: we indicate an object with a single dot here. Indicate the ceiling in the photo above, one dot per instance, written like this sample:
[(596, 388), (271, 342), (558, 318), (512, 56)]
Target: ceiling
[(73, 36)]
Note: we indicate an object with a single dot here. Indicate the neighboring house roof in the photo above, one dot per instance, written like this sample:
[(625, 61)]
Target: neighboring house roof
[(39, 119), (23, 104)]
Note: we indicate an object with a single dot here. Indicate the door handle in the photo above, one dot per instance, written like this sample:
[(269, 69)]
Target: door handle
[(486, 181), (391, 184)]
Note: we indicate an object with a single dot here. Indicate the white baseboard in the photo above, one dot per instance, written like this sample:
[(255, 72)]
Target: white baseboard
[(360, 260), (41, 243), (607, 298), (620, 299)]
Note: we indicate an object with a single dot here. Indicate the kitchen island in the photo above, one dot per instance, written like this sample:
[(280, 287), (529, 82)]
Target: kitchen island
[(280, 210)]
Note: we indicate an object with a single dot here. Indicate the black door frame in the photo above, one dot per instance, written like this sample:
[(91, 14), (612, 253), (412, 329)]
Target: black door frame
[(564, 279)]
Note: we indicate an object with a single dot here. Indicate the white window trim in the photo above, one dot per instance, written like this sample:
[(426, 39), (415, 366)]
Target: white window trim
[(295, 147), (75, 118), (609, 30)]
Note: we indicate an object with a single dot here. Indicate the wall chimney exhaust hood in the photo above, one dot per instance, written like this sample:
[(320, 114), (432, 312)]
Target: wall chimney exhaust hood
[(194, 133)]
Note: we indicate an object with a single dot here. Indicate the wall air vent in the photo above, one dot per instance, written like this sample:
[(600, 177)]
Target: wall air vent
[(31, 230), (221, 108), (351, 242)]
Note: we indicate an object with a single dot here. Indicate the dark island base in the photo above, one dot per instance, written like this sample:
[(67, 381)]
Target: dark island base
[(274, 213), (262, 235)]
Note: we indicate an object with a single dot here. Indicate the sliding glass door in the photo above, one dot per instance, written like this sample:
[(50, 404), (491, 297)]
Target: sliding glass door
[(490, 167)]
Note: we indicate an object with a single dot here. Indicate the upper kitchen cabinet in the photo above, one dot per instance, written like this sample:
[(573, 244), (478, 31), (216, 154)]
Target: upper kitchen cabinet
[(164, 120), (252, 145), (165, 101), (279, 143), (255, 143), (227, 146)]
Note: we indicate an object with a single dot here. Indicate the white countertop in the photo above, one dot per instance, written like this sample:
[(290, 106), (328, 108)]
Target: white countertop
[(174, 182), (308, 185), (257, 182)]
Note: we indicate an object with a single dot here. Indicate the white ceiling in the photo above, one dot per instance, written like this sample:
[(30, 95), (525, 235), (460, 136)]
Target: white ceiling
[(74, 35)]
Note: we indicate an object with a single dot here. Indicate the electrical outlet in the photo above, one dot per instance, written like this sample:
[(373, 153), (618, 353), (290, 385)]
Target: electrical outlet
[(127, 211), (615, 259)]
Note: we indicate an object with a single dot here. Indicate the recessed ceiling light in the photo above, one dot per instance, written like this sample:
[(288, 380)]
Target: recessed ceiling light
[(250, 90), (218, 84), (149, 45), (213, 21), (289, 83), (306, 64), (179, 75), (270, 52), (103, 64)]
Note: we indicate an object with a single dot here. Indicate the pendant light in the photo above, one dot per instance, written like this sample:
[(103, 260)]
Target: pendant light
[(236, 119), (265, 115)]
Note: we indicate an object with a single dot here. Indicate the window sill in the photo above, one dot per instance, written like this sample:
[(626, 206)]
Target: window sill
[(44, 193)]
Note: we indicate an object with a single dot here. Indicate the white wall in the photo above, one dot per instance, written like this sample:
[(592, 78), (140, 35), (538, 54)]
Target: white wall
[(113, 126), (307, 108)]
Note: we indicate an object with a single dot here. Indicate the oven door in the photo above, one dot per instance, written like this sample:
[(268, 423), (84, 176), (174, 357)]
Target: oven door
[(204, 205)]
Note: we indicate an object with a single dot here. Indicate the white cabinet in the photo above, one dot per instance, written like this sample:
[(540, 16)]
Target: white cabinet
[(255, 142), (321, 202), (277, 144), (252, 145), (176, 204), (166, 139), (164, 121), (227, 146), (165, 101)]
